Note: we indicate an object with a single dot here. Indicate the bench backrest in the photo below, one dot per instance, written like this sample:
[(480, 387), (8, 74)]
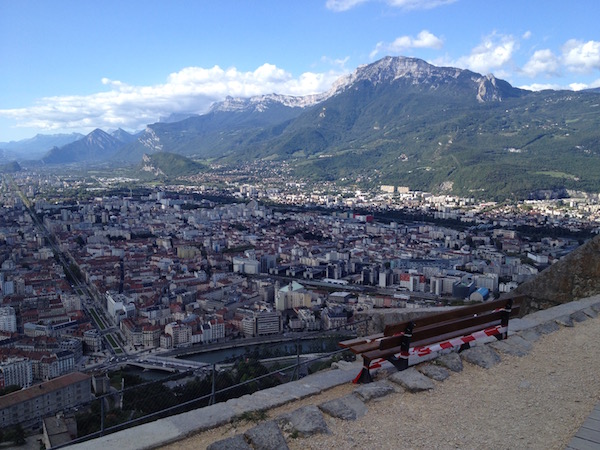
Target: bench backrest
[(439, 326)]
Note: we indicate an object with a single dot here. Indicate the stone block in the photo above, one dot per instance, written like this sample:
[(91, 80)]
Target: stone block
[(236, 442), (514, 345), (266, 436), (565, 321), (303, 422), (482, 356), (412, 380), (349, 407), (450, 361), (434, 372), (370, 391)]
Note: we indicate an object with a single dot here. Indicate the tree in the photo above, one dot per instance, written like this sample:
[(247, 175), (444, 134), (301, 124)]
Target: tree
[(17, 435)]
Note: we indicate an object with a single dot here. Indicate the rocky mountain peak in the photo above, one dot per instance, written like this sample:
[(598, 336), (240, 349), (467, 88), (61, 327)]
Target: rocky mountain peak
[(417, 72), (261, 103)]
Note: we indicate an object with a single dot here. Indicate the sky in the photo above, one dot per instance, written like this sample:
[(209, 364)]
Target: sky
[(76, 65)]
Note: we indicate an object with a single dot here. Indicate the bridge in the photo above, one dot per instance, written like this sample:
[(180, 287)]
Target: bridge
[(167, 364)]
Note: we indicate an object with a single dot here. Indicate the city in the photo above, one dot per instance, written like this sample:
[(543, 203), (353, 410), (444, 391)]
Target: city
[(120, 274)]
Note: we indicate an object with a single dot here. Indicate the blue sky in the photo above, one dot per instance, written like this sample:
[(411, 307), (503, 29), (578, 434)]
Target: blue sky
[(76, 65)]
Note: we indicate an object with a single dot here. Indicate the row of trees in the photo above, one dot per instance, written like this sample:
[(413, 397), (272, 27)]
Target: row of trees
[(143, 398)]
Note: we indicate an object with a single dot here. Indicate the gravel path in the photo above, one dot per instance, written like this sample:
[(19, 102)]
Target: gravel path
[(538, 401)]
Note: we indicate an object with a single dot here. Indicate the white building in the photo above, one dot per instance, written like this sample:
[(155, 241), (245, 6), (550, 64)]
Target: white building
[(246, 265), (8, 319), (181, 334), (262, 323), (16, 372), (119, 306)]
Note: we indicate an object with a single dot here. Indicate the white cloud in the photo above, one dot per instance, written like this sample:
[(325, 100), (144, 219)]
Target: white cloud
[(578, 86), (581, 56), (418, 4), (342, 5), (572, 86), (542, 62), (338, 62), (424, 39), (191, 90), (495, 52), (541, 86), (527, 35), (345, 5)]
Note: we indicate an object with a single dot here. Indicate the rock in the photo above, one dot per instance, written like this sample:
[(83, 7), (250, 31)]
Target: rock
[(514, 345), (236, 442), (341, 364), (367, 392), (434, 372), (530, 335), (547, 327), (590, 312), (266, 436), (450, 361), (345, 408), (579, 316), (303, 422), (524, 384), (565, 321), (575, 276), (482, 356), (596, 307), (412, 380)]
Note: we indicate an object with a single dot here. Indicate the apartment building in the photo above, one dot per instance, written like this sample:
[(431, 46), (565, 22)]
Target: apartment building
[(29, 406)]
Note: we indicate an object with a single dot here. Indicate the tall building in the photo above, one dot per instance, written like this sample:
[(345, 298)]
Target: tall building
[(180, 333), (16, 371), (262, 323), (8, 319)]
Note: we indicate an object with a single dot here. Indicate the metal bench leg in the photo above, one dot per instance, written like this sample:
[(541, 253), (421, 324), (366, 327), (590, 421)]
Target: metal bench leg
[(402, 362), (364, 376), (399, 363)]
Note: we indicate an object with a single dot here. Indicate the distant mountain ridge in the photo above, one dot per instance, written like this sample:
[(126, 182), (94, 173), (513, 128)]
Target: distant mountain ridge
[(397, 121), (95, 147), (35, 147)]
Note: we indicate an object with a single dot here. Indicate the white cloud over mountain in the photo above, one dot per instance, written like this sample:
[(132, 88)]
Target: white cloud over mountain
[(542, 62), (424, 39), (190, 90), (581, 56), (577, 56), (493, 53), (194, 89)]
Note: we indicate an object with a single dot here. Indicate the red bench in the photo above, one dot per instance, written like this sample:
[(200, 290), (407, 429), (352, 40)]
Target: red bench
[(416, 339)]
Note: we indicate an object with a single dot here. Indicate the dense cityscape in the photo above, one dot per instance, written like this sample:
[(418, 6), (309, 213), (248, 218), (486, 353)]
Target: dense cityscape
[(97, 274)]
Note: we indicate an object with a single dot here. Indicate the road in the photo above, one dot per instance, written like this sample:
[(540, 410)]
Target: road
[(68, 263)]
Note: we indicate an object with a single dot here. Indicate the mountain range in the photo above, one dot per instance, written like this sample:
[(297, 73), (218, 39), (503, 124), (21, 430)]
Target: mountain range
[(396, 121), (35, 147)]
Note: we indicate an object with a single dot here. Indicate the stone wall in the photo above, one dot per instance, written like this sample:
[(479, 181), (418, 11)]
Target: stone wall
[(575, 276)]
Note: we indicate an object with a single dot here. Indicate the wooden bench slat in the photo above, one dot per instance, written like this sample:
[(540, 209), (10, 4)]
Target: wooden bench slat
[(365, 347), (432, 329), (391, 330), (376, 354), (436, 329), (359, 340)]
